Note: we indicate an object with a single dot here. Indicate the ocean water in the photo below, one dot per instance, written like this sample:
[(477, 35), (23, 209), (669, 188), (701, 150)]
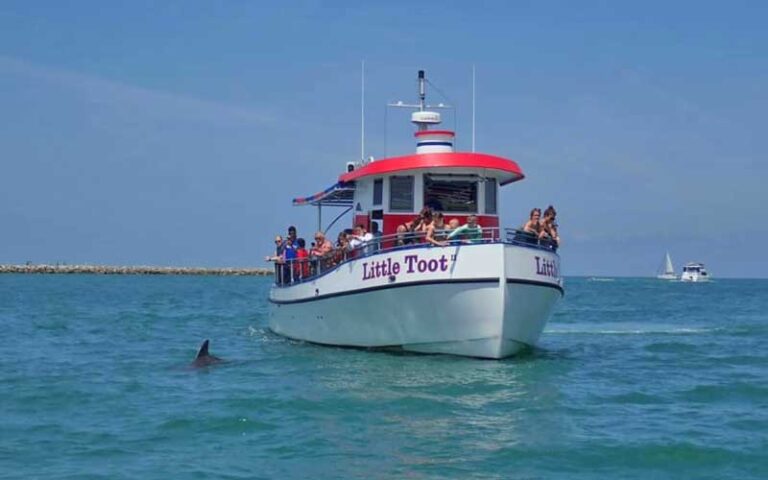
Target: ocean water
[(634, 378)]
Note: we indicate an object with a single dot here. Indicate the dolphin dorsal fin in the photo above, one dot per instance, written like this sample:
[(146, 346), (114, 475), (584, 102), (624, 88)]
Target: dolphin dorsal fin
[(203, 352)]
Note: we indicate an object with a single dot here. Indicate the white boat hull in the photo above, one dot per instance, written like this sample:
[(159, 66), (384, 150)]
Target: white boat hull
[(693, 277), (490, 301)]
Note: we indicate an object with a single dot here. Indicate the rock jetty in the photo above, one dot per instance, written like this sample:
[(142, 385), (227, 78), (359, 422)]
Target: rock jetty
[(130, 270)]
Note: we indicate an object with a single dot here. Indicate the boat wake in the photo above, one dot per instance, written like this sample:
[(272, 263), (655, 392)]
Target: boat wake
[(263, 334), (646, 330)]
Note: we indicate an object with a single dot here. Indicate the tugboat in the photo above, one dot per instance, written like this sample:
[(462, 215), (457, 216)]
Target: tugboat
[(488, 296)]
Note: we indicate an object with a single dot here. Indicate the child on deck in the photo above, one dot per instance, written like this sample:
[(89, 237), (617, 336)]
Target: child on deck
[(471, 232), (301, 265)]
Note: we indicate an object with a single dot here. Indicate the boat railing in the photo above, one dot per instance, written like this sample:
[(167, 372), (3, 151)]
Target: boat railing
[(300, 270)]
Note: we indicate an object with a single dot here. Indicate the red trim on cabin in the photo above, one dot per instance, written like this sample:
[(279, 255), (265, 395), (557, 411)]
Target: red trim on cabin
[(434, 132), (436, 160), (362, 219)]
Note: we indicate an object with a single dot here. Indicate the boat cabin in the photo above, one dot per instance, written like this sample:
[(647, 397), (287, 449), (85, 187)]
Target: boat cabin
[(695, 268), (393, 191)]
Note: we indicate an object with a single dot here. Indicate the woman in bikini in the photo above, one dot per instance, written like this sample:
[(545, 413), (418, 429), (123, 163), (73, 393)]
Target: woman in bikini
[(533, 225), (416, 227), (435, 231), (548, 228)]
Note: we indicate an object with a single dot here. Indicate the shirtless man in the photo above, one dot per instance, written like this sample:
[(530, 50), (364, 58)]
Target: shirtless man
[(453, 224), (323, 246)]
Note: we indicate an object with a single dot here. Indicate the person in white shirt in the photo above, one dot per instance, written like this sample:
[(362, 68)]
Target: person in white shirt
[(361, 238)]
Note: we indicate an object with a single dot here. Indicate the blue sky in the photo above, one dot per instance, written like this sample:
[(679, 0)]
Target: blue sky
[(176, 133)]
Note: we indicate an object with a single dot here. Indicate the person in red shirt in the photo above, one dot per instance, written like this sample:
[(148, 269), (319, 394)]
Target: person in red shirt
[(301, 266)]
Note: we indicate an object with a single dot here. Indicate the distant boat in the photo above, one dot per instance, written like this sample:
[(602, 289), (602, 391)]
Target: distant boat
[(694, 272), (666, 270)]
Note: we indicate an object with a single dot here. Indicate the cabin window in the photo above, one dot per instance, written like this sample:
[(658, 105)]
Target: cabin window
[(378, 191), (401, 194), (455, 195), (491, 188)]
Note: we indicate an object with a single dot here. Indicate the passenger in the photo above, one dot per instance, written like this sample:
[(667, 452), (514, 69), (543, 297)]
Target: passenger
[(289, 257), (401, 234), (531, 229), (354, 242), (453, 224), (279, 247), (320, 254), (435, 233), (323, 246), (301, 267), (341, 248), (438, 221), (417, 227), (411, 229), (292, 234), (278, 259), (361, 239), (426, 221), (471, 232), (548, 234), (533, 225), (376, 244)]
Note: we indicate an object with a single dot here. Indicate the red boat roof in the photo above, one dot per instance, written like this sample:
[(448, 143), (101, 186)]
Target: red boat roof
[(507, 170)]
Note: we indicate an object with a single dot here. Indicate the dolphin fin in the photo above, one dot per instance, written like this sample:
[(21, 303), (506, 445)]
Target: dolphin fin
[(203, 352)]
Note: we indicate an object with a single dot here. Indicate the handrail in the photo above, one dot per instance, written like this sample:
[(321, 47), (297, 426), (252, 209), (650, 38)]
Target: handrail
[(300, 270)]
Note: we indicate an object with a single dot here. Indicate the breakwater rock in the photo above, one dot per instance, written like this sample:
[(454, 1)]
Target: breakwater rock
[(130, 270)]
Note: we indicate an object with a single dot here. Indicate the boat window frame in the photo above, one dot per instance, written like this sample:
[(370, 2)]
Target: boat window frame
[(393, 192), (491, 182), (378, 191), (448, 178)]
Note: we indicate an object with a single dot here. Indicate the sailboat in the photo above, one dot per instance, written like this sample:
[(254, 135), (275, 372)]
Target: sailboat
[(666, 270)]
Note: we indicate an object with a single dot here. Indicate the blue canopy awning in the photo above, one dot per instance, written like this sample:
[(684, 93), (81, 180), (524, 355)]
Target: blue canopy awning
[(338, 195)]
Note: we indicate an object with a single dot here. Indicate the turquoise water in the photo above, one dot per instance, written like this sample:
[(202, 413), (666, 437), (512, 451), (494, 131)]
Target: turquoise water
[(634, 378)]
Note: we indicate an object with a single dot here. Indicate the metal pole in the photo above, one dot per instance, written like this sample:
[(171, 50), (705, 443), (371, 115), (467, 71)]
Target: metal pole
[(473, 109), (422, 92), (362, 111)]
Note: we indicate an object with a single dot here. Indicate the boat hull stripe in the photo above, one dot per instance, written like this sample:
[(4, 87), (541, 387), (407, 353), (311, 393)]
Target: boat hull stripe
[(413, 284), (536, 283), (385, 287)]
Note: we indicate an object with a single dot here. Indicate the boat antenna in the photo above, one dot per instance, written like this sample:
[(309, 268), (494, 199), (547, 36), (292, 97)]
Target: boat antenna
[(424, 117), (473, 109), (362, 111), (422, 91)]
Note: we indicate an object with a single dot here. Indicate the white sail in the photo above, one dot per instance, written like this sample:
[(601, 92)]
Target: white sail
[(667, 270)]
